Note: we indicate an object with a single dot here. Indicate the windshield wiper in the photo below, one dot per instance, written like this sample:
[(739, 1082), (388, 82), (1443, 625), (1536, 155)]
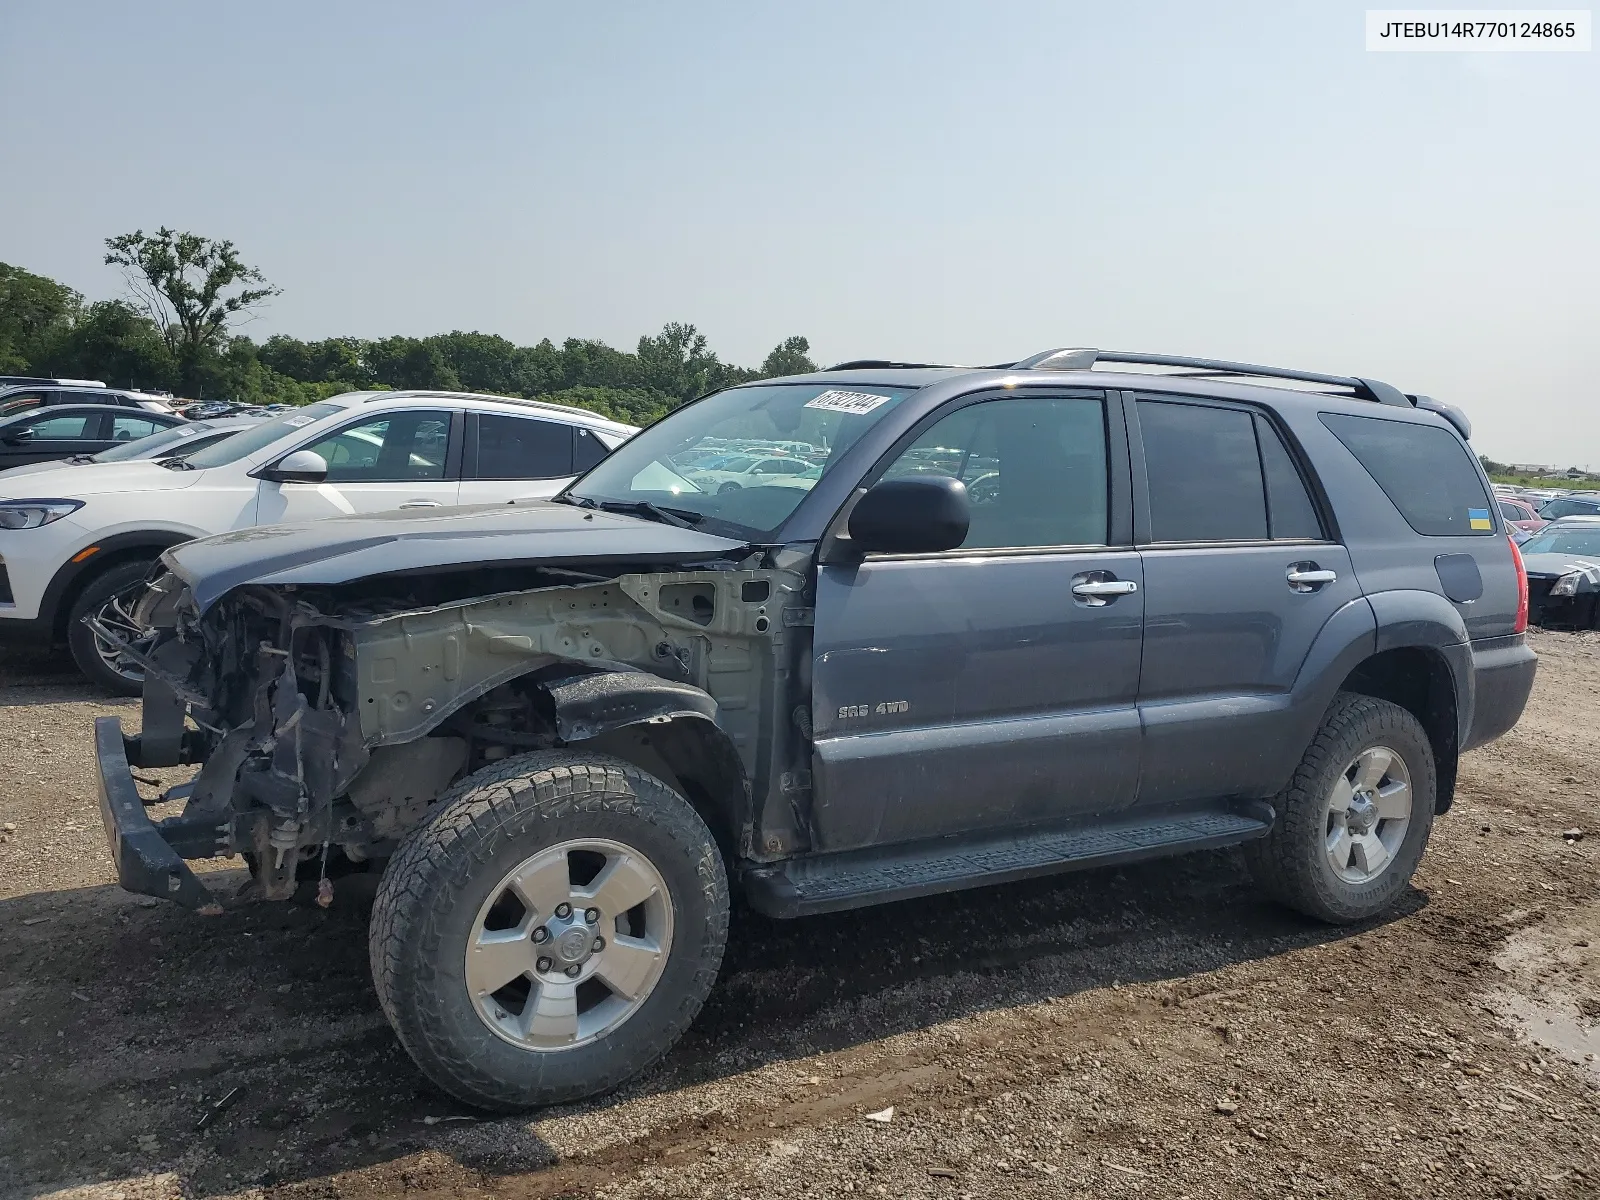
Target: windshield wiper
[(176, 464), (78, 460), (681, 517)]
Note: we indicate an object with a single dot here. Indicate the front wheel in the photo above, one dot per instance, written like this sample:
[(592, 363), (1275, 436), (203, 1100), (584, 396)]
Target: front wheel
[(110, 598), (1354, 820), (550, 931)]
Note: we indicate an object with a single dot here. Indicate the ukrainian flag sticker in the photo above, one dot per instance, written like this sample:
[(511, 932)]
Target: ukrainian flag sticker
[(1478, 518)]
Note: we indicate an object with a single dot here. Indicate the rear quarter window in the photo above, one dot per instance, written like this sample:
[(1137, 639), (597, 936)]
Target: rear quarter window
[(1427, 473)]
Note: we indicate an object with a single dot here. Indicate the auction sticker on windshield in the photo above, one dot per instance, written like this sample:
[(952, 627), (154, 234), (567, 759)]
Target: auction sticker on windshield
[(847, 402)]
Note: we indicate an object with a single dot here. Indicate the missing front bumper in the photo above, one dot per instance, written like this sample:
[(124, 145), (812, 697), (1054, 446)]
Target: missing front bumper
[(147, 863)]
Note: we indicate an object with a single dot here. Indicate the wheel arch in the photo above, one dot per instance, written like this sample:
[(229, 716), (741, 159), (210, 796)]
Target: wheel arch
[(1422, 680), (662, 726), (77, 572)]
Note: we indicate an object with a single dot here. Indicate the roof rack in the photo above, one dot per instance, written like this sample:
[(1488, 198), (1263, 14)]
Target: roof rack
[(1082, 359)]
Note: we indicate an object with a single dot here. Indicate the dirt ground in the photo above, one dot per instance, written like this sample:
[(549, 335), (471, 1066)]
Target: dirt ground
[(1153, 1031)]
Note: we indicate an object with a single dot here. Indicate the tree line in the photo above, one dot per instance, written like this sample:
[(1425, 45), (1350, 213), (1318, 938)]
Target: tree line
[(175, 333)]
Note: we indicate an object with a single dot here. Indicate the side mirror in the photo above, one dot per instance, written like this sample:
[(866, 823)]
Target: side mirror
[(911, 516), (303, 466), (19, 437)]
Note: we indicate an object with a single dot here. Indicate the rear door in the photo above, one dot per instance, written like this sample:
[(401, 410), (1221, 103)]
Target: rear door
[(409, 458), (510, 457), (993, 685), (131, 426), (1240, 577)]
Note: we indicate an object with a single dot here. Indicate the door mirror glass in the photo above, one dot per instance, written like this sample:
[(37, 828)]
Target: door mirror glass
[(303, 466), (911, 516)]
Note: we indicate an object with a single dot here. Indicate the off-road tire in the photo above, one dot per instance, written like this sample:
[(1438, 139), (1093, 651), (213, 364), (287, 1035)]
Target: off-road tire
[(444, 870), (1290, 863), (81, 642)]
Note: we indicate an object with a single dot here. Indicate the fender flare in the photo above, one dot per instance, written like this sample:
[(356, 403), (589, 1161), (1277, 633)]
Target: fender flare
[(1426, 619)]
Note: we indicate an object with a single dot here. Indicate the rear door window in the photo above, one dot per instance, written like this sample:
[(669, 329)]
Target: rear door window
[(523, 448), (1427, 472), (1204, 473)]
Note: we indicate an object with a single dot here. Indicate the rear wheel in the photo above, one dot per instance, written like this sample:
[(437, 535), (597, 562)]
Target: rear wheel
[(110, 598), (550, 931), (1354, 820)]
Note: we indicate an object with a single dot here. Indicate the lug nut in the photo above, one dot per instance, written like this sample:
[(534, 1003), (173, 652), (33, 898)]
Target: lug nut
[(572, 971), (591, 915), (541, 935), (563, 910), (599, 945), (544, 964)]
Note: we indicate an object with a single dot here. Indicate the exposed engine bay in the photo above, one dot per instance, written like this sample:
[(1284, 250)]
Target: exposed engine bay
[(327, 720)]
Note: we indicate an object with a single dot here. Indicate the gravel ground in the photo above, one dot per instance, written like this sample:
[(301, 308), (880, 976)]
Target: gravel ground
[(1153, 1031)]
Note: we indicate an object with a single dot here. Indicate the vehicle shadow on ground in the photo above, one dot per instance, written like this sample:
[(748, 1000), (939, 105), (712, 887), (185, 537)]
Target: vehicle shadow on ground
[(127, 1022), (32, 676)]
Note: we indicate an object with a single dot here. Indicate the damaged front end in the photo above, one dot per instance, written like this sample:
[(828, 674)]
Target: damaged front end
[(326, 721)]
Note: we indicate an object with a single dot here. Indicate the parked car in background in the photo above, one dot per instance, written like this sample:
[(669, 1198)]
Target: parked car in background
[(1563, 565), (179, 441), (1570, 504), (17, 399), (745, 471), (62, 431), (74, 540), (1519, 514)]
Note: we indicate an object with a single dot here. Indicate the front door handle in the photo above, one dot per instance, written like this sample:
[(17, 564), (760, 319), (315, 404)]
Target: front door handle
[(422, 504), (1095, 592), (1308, 577)]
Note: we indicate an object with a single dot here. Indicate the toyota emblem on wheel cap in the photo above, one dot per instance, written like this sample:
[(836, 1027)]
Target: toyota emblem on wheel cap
[(572, 945)]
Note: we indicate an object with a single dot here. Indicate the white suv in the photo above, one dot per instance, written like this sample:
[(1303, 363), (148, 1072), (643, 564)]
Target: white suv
[(78, 540)]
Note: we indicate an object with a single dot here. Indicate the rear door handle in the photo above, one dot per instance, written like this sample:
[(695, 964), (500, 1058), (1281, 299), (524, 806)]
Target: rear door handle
[(422, 504), (1308, 577)]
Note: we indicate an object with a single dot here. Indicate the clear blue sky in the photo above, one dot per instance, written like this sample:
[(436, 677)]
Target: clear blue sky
[(953, 182)]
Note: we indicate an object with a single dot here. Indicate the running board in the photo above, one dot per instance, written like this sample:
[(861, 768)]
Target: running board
[(852, 879)]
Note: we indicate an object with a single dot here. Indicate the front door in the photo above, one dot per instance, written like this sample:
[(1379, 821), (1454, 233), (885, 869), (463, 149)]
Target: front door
[(993, 685), (1239, 580), (394, 460), (53, 435)]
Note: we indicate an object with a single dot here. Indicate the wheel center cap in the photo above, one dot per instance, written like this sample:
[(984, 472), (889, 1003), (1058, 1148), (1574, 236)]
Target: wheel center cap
[(1361, 815), (573, 945)]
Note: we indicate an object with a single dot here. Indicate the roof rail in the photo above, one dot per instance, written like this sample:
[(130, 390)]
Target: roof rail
[(1082, 359), (880, 364)]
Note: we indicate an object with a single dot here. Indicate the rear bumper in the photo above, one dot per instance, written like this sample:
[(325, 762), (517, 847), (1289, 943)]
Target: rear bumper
[(1503, 669), (147, 863)]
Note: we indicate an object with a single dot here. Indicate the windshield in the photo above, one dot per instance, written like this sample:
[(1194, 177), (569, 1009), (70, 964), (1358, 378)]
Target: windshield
[(1584, 542), (243, 445), (742, 460), (155, 445), (1563, 507)]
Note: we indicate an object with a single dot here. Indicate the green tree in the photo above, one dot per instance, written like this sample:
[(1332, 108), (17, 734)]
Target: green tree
[(192, 287), (410, 363), (792, 356), (35, 313), (115, 342), (633, 406)]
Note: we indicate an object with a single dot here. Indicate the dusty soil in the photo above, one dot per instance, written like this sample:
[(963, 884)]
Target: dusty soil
[(1152, 1031)]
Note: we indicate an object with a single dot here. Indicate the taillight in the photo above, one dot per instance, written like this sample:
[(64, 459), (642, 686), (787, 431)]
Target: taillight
[(1522, 591)]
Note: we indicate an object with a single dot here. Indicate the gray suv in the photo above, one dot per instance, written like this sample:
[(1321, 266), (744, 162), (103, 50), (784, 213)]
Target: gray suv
[(990, 623)]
